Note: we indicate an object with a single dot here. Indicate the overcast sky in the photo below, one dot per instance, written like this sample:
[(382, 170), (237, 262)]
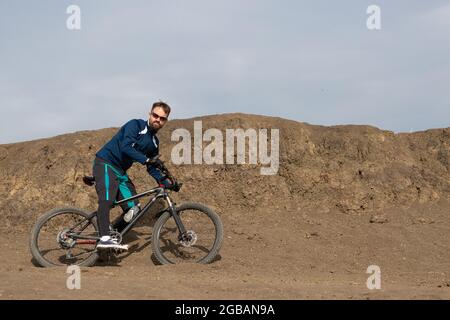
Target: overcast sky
[(312, 61)]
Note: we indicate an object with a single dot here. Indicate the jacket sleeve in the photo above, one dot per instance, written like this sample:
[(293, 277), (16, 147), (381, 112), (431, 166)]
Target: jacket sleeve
[(155, 173), (153, 170), (130, 135)]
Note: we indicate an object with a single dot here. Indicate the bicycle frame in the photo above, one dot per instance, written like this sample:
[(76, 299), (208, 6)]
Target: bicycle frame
[(160, 193)]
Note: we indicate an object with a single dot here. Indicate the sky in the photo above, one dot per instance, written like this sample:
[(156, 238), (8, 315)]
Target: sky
[(309, 61)]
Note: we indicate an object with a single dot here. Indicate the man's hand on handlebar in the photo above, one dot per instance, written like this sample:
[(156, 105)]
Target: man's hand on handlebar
[(169, 181), (166, 183), (170, 184)]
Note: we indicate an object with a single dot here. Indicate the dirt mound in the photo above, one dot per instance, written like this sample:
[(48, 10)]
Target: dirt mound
[(343, 198), (354, 169)]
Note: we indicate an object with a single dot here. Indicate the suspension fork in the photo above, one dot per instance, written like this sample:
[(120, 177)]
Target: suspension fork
[(176, 217)]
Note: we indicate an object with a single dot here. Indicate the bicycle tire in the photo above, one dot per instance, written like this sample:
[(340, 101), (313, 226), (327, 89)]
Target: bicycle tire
[(34, 239), (164, 218)]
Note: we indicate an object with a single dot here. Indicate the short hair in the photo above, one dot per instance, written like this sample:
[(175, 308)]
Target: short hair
[(162, 105)]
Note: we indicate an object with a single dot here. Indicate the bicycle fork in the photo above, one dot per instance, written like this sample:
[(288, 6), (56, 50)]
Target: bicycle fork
[(183, 236)]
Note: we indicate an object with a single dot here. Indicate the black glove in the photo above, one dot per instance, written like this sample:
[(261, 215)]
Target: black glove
[(170, 184), (176, 186)]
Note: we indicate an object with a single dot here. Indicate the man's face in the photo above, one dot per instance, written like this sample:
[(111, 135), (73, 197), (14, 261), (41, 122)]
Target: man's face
[(158, 118)]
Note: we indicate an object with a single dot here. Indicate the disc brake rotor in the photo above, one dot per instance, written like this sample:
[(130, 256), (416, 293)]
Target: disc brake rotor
[(189, 239)]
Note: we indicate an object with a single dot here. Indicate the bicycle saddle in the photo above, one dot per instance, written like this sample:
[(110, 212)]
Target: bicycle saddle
[(89, 180)]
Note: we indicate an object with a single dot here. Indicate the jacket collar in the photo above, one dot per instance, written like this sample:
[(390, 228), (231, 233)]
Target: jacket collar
[(150, 128)]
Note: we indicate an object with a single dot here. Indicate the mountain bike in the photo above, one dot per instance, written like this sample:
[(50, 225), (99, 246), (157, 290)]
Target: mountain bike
[(190, 232)]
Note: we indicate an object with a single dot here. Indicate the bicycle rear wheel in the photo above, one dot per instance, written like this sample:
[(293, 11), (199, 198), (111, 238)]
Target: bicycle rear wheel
[(54, 239), (205, 231)]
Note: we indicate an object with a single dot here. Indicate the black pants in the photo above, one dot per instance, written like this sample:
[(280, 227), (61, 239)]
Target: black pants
[(111, 184)]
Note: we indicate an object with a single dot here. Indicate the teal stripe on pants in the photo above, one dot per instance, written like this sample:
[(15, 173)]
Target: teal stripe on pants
[(107, 182), (126, 193), (122, 185)]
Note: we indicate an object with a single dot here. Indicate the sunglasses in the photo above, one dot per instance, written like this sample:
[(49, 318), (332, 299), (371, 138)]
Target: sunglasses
[(156, 116)]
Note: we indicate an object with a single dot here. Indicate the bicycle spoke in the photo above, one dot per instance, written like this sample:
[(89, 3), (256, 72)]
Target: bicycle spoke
[(56, 245), (196, 222)]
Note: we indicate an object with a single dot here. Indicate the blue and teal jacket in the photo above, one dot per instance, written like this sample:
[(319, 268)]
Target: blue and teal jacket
[(135, 142)]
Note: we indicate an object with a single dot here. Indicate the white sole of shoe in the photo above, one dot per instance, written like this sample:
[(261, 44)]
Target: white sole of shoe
[(111, 246)]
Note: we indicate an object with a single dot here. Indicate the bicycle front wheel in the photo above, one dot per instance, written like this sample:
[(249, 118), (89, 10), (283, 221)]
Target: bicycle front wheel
[(205, 233), (64, 236)]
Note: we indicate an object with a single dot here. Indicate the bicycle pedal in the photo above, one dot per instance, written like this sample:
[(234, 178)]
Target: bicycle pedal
[(119, 250)]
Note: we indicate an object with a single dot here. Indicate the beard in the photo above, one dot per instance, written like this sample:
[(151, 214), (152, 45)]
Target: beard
[(154, 126)]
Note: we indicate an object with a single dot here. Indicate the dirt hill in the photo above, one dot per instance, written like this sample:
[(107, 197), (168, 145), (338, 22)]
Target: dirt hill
[(355, 169), (344, 197)]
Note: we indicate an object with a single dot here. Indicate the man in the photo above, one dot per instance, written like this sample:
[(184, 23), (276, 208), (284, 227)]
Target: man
[(136, 141)]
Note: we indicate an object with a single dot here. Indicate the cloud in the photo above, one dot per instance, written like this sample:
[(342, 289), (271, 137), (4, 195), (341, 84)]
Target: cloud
[(313, 62), (438, 17)]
